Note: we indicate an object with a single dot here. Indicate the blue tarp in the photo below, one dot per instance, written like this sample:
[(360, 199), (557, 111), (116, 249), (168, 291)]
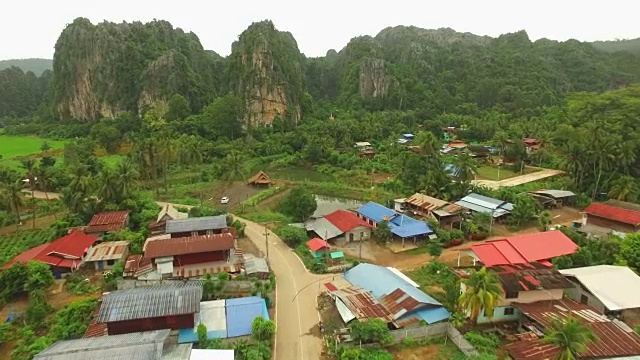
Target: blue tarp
[(241, 312)]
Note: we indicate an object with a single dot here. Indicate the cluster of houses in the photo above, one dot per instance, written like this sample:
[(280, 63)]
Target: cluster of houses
[(612, 217), (156, 319), (159, 322), (178, 248), (604, 297)]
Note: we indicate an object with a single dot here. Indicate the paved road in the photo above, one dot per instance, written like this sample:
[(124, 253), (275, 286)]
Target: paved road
[(296, 316), (519, 180)]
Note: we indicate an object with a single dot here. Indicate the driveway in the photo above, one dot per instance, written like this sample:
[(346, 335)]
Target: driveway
[(296, 314)]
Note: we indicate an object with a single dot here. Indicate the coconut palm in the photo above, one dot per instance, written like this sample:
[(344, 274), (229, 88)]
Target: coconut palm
[(79, 187), (428, 143), (467, 167), (624, 188), (126, 175), (167, 153), (234, 165), (571, 336), (107, 186), (11, 195), (483, 291)]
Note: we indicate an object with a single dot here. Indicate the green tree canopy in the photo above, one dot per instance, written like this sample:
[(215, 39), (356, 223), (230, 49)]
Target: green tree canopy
[(299, 204)]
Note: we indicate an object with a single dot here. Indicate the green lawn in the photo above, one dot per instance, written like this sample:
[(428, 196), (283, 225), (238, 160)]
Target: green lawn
[(13, 146), (488, 172)]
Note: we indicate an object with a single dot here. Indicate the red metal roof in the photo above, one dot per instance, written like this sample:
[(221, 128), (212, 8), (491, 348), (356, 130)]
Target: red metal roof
[(66, 252), (345, 220), (189, 245), (317, 244), (524, 248), (618, 214), (108, 218), (95, 328), (613, 339)]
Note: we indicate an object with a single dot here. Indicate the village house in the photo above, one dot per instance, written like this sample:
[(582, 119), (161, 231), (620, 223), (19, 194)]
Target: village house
[(365, 149), (402, 226), (340, 225), (521, 283), (614, 339), (225, 318), (484, 204), (104, 255), (429, 207), (256, 267), (168, 212), (63, 255), (192, 256), (166, 306), (319, 248), (553, 198), (532, 145), (260, 179), (521, 249), (612, 290), (370, 291), (105, 222), (206, 225), (615, 216)]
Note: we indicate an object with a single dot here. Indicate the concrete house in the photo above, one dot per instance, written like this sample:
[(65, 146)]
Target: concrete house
[(341, 225), (613, 290)]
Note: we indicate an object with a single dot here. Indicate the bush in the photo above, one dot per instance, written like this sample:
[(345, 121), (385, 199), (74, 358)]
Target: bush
[(483, 342), (78, 285), (374, 330), (291, 235)]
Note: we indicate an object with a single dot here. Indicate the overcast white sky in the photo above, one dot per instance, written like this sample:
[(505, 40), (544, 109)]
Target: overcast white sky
[(29, 28)]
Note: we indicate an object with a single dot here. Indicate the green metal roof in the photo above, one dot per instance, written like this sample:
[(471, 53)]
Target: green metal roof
[(337, 255)]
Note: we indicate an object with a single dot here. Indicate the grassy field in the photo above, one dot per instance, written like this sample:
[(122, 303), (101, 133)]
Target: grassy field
[(13, 146), (488, 172)]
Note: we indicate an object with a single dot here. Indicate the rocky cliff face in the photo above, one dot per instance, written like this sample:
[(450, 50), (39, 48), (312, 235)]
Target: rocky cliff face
[(266, 69), (375, 81), (103, 70)]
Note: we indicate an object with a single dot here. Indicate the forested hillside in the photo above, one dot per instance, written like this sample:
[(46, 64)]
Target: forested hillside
[(630, 45), (36, 66), (144, 84)]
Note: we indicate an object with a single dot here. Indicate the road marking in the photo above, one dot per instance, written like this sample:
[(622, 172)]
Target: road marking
[(295, 287), (301, 262)]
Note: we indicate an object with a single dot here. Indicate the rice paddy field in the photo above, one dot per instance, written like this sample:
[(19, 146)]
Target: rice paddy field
[(14, 147)]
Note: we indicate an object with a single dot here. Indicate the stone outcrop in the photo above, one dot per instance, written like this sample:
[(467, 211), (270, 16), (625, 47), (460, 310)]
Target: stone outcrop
[(375, 81)]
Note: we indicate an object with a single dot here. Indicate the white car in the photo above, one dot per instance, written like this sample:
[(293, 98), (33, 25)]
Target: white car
[(224, 200)]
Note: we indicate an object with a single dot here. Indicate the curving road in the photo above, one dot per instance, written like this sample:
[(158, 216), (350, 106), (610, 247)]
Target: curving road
[(296, 314)]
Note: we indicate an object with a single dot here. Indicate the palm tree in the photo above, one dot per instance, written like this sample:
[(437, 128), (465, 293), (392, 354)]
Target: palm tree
[(107, 186), (79, 187), (625, 188), (571, 336), (127, 174), (467, 167), (234, 165), (483, 291), (544, 220), (12, 196), (428, 143), (167, 154)]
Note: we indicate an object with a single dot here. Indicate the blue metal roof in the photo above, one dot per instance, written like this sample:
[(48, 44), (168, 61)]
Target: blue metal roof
[(375, 211), (241, 312), (400, 225), (408, 135), (414, 228), (381, 281)]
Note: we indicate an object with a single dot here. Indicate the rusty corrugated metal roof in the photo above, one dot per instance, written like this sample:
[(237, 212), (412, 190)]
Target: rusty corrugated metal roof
[(362, 304), (189, 245), (109, 250), (108, 218), (425, 202)]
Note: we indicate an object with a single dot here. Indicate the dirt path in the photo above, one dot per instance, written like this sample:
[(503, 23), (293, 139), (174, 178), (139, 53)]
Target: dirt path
[(519, 180), (296, 313)]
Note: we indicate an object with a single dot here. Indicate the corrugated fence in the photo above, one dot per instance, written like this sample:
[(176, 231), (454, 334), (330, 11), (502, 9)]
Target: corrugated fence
[(436, 330)]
